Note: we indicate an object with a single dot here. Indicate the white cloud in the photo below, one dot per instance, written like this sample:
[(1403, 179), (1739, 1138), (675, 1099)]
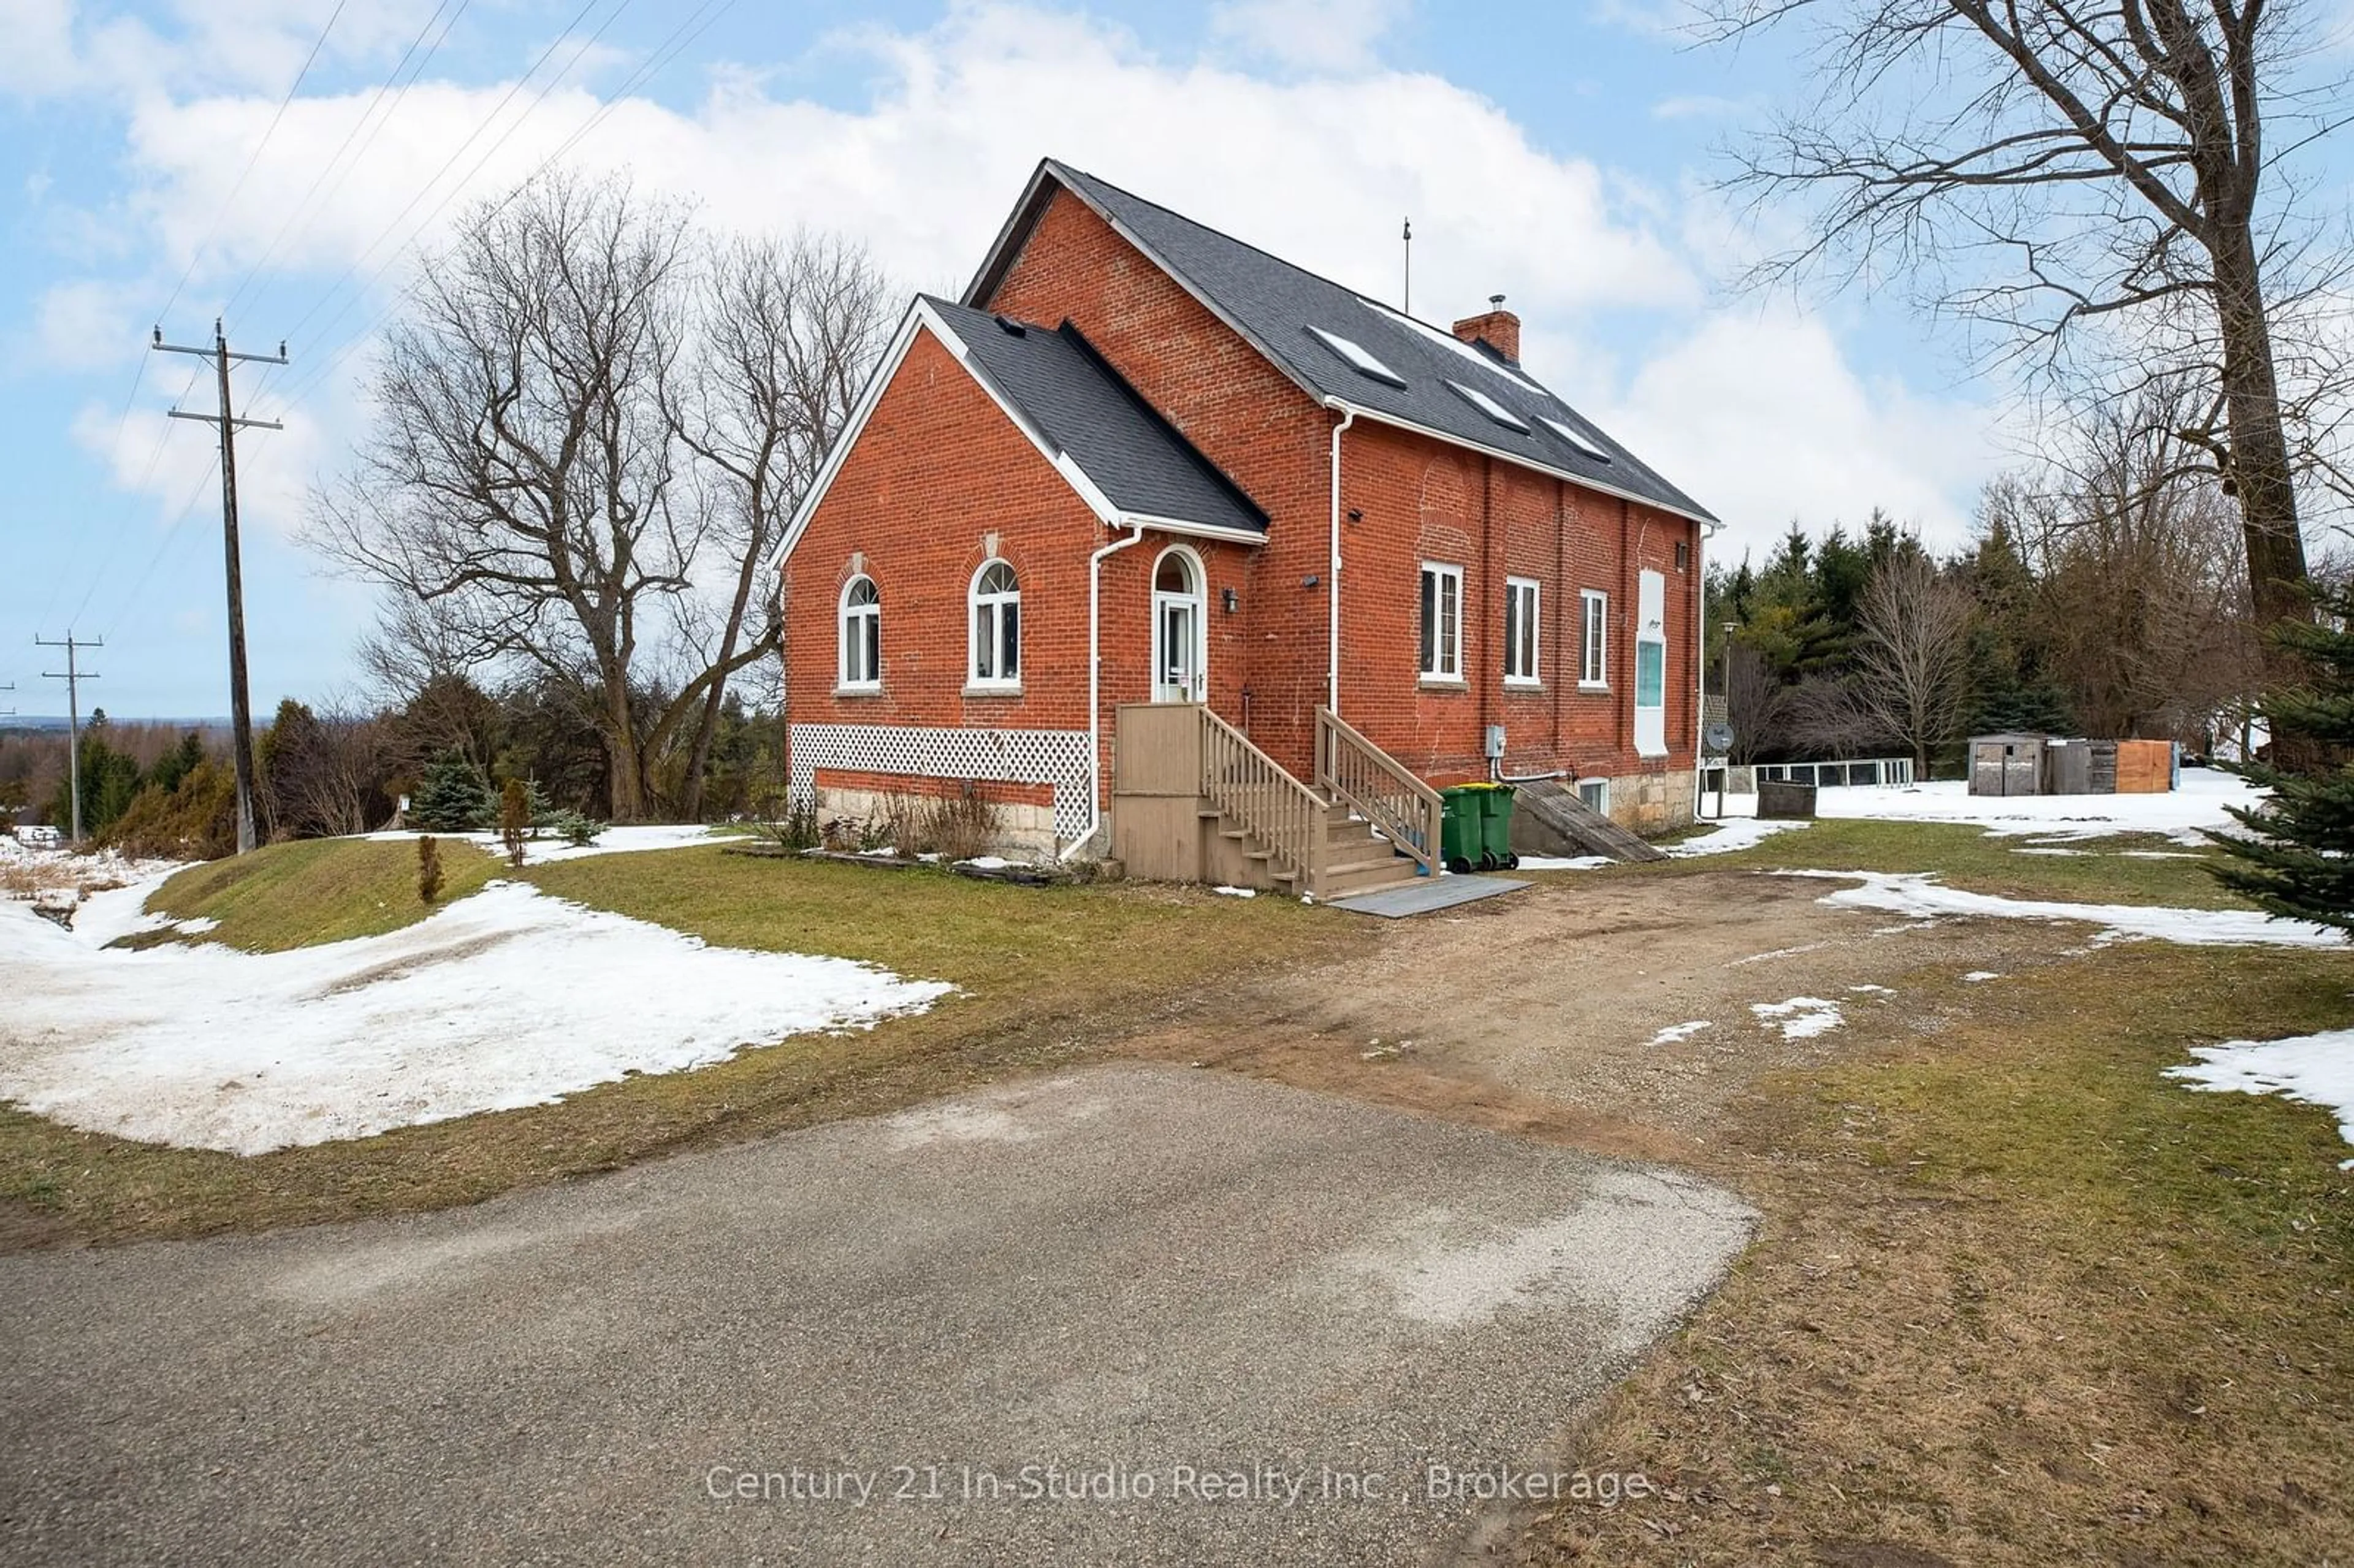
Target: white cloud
[(1702, 106), (1333, 36), (1758, 415)]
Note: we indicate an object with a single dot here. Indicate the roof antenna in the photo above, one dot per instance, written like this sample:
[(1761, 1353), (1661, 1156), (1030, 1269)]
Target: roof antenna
[(1406, 305)]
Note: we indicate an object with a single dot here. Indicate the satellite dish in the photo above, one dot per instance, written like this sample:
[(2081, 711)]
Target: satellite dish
[(1717, 737)]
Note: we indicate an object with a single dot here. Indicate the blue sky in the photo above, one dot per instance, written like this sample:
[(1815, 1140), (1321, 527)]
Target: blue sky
[(159, 171)]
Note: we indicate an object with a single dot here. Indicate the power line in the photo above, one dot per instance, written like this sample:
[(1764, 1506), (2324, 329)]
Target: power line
[(171, 531), (681, 37), (472, 137), (399, 89), (220, 213), (240, 701), (73, 675)]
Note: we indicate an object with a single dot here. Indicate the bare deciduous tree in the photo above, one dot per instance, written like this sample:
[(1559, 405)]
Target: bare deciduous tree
[(1754, 703), (2103, 180), (2141, 597), (789, 332), (1913, 654), (520, 478)]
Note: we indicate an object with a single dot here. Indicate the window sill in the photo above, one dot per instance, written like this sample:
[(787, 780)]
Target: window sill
[(1522, 684), (977, 689), (873, 691), (1598, 688), (1442, 683)]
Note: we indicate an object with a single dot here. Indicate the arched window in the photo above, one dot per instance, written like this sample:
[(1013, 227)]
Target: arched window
[(996, 627), (862, 636)]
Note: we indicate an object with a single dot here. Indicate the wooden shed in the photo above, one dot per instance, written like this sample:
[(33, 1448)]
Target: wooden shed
[(2007, 764)]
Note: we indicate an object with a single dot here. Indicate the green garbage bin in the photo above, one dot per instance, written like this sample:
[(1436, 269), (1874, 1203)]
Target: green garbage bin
[(1462, 826), (1496, 828)]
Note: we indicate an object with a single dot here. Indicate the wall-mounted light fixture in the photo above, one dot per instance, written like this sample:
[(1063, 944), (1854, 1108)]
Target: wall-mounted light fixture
[(1311, 580), (1226, 597), (1356, 514)]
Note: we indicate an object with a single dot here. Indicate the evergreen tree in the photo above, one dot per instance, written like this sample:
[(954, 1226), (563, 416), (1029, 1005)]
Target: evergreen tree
[(2297, 859), (452, 798)]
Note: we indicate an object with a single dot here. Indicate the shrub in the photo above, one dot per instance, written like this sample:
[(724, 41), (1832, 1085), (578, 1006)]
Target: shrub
[(784, 822), (962, 825), (428, 869), (194, 820), (452, 796), (514, 819), (574, 829)]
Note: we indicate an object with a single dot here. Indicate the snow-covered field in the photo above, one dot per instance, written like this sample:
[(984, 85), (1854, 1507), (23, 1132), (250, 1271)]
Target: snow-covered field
[(2312, 1069), (507, 998), (1922, 896), (612, 840), (2179, 814)]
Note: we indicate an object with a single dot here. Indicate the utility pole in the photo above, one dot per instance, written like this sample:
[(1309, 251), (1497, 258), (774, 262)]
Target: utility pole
[(73, 675), (240, 707)]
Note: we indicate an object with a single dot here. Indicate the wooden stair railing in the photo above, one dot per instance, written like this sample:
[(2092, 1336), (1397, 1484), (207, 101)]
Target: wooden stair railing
[(1244, 783), (1375, 786)]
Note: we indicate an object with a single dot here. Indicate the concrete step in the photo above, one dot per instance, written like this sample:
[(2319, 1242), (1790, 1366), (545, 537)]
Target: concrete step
[(1344, 882)]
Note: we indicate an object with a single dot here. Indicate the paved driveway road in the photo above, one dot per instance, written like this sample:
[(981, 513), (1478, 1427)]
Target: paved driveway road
[(1122, 1281)]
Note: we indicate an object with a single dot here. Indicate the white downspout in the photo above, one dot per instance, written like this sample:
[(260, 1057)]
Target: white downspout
[(1699, 672), (1332, 594), (1095, 688)]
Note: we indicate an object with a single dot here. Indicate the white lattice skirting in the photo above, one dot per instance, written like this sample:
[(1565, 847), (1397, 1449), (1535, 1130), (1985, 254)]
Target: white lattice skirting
[(1056, 756)]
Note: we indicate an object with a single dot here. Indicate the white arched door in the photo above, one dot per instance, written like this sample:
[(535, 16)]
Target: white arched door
[(1179, 628)]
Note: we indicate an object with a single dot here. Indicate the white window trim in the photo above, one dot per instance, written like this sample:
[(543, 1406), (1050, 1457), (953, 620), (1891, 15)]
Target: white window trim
[(1600, 785), (1587, 600), (975, 682), (1533, 625), (1448, 653), (843, 613)]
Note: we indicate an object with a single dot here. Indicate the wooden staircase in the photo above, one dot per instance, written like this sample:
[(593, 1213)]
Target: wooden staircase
[(1194, 800)]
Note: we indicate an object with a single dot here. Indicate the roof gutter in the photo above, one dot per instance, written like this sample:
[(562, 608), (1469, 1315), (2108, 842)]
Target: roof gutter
[(1707, 525)]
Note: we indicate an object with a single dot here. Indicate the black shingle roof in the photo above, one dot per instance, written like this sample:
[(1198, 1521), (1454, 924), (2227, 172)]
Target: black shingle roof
[(1275, 304), (1084, 408)]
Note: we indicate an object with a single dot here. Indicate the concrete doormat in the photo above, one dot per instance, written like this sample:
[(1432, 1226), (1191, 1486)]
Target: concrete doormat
[(1426, 893)]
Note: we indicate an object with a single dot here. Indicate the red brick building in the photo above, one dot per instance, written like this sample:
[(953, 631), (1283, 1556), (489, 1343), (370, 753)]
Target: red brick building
[(1140, 461)]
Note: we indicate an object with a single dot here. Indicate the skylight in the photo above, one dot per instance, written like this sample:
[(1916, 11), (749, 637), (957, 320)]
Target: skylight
[(1358, 356), (1585, 449), (1490, 407), (1453, 345)]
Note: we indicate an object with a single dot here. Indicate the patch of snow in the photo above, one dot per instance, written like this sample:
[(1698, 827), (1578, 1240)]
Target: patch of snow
[(1564, 861), (195, 924), (2311, 1069), (1675, 1032), (1921, 894), (2179, 814), (1981, 975), (503, 999), (1872, 990), (988, 862), (548, 851), (2078, 852), (1732, 834), (1800, 1018), (1777, 953), (1237, 892)]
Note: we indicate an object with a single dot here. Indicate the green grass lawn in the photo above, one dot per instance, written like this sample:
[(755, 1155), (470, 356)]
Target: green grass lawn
[(317, 890), (2019, 1298), (1046, 976), (1968, 857)]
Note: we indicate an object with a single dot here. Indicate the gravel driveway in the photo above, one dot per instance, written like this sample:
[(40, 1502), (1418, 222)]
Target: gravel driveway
[(1134, 1314)]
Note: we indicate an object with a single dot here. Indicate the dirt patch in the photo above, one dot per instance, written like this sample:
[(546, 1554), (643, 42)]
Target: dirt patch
[(1622, 1015)]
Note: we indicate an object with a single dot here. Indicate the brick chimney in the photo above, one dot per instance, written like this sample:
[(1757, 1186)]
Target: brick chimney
[(1500, 327)]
